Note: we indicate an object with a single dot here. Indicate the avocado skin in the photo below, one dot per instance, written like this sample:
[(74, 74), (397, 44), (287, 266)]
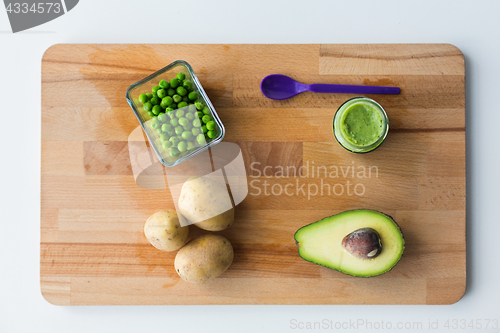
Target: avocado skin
[(347, 273)]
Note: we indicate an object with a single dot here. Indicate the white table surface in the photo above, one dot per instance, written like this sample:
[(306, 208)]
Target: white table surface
[(473, 26)]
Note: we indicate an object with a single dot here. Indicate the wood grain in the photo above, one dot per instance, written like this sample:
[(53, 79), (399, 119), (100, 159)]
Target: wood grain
[(402, 59), (106, 158), (93, 250)]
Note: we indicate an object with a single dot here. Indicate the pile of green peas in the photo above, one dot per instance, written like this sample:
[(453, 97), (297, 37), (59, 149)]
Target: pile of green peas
[(183, 121)]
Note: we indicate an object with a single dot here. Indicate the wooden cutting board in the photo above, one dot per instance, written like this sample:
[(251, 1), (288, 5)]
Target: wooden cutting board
[(93, 250)]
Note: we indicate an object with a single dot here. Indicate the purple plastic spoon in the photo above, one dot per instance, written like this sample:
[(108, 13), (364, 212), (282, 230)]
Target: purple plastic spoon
[(278, 86)]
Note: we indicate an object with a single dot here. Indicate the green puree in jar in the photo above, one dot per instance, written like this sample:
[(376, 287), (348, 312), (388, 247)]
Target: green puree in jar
[(362, 124)]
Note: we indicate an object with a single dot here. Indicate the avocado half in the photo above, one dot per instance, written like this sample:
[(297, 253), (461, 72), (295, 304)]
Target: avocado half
[(322, 242)]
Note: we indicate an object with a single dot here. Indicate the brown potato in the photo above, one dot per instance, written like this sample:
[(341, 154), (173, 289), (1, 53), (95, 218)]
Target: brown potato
[(163, 231), (206, 203), (204, 258)]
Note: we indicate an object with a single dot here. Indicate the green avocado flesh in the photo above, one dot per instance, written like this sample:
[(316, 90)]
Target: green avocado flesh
[(321, 242)]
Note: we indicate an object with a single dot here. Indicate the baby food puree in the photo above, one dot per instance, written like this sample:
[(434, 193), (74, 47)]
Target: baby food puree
[(360, 125)]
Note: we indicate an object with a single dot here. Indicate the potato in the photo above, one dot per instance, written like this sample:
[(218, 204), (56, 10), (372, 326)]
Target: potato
[(163, 231), (204, 258), (206, 203)]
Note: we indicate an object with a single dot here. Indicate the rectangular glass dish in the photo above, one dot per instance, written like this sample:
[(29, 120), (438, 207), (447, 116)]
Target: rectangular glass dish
[(162, 120)]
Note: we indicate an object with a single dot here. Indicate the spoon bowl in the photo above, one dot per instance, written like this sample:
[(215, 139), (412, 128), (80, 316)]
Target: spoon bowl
[(279, 87)]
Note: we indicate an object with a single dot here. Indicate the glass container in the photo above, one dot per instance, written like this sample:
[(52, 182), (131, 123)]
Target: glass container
[(170, 153)]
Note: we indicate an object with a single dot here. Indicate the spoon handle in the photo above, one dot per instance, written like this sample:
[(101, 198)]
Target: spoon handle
[(351, 89)]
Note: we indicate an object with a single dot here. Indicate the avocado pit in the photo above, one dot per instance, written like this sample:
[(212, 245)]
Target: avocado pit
[(363, 243)]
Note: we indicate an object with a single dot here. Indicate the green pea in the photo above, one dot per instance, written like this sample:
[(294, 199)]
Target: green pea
[(200, 138), (154, 124), (186, 99), (164, 84), (155, 89), (211, 134), (167, 101), (156, 110), (169, 109), (182, 146), (204, 129), (199, 105), (163, 117), (177, 98), (166, 144), (170, 92), (147, 106), (166, 127), (171, 132), (193, 95), (150, 95), (159, 131), (200, 114), (174, 122), (183, 121), (143, 98), (164, 137), (195, 131), (155, 101), (186, 135), (179, 130), (151, 114), (179, 113), (187, 84), (181, 91), (210, 125), (175, 140), (173, 106), (182, 104), (174, 152), (196, 123), (174, 83), (161, 93), (206, 110), (188, 127), (181, 76), (206, 118), (190, 116), (190, 145)]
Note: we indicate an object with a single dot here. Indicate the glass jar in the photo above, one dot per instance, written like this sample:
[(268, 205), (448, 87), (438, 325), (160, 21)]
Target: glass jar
[(360, 125)]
